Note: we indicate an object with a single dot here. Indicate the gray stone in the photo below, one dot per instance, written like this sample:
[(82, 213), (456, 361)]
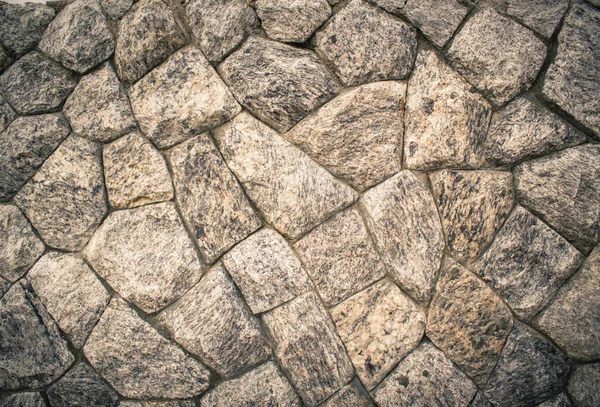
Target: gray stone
[(542, 16), (7, 114), (5, 59), (480, 401), (24, 400), (497, 55), (211, 201), (584, 385), (35, 84), (116, 8), (308, 348), (138, 362), (445, 119), (146, 255), (213, 322), (278, 83), (71, 293), (292, 192), (349, 396), (365, 44), (425, 378), (4, 286), (181, 98), (292, 21), (379, 326), (358, 135), (135, 173), (402, 216), (560, 400), (22, 25), (186, 403), (468, 322), (81, 387), (98, 108), (266, 271)]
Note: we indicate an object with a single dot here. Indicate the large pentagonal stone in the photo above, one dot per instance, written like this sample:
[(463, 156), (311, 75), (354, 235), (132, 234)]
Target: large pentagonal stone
[(352, 394), (292, 21), (81, 386), (22, 25), (28, 399), (584, 385), (542, 16)]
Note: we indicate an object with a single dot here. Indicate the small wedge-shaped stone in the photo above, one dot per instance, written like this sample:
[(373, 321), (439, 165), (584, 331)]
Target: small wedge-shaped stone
[(263, 386), (181, 98), (278, 83), (98, 108), (146, 255), (213, 322), (138, 362), (584, 385), (445, 119), (66, 200), (211, 201), (81, 386), (22, 25), (33, 352), (425, 378), (358, 135), (148, 34), (542, 16), (379, 326), (473, 205), (292, 21), (293, 192), (365, 44), (564, 189), (135, 173), (308, 348), (402, 216), (28, 399), (266, 270), (7, 114), (530, 370), (71, 293), (468, 321), (79, 37), (351, 395)]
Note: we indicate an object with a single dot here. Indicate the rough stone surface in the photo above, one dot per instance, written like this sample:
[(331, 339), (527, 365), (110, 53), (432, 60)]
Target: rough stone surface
[(7, 114), (81, 386), (560, 400), (292, 192), (308, 348), (116, 8), (584, 385), (358, 135), (212, 321), (181, 98), (24, 400), (137, 361), (5, 59), (292, 21), (542, 16), (349, 396), (146, 255), (402, 216), (186, 403), (211, 201), (480, 401), (22, 25), (365, 44)]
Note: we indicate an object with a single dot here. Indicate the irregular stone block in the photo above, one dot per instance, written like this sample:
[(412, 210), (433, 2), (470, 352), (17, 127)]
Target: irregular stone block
[(22, 25), (560, 400), (292, 21), (349, 395), (542, 16), (24, 400), (116, 8), (584, 385), (81, 386), (7, 115)]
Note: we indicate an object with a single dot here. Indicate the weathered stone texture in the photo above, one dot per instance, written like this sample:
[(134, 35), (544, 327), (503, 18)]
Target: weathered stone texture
[(7, 114), (81, 386), (349, 396), (116, 8), (22, 25), (560, 400), (29, 399), (542, 16), (175, 403), (584, 385), (480, 401), (5, 59), (292, 21)]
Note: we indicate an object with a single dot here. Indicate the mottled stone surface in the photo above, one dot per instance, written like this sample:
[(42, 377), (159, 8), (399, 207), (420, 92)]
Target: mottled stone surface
[(71, 293), (7, 114), (542, 16), (181, 98), (22, 25), (445, 119), (5, 59), (211, 201), (584, 385), (81, 386), (278, 83), (349, 396), (212, 321), (292, 21), (29, 399), (358, 135), (292, 192), (480, 401), (308, 348), (186, 403), (138, 362), (402, 216), (364, 44), (560, 400), (146, 255), (116, 8)]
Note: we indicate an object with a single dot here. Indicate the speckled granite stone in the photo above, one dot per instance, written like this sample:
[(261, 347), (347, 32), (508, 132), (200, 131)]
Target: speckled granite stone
[(22, 25), (349, 396), (560, 400), (480, 401), (7, 114), (186, 403), (116, 8), (292, 21), (5, 59), (542, 16), (81, 386), (584, 385), (28, 399)]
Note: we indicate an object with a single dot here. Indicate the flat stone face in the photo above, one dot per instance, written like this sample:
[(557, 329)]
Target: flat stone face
[(308, 348), (358, 135), (560, 400), (292, 192), (379, 326), (79, 37), (116, 8), (212, 321), (468, 321), (542, 16), (402, 216), (278, 83), (349, 395), (29, 399), (181, 98), (266, 271), (425, 378), (292, 21), (473, 205), (33, 352), (445, 119), (364, 44), (564, 189), (147, 35), (22, 25), (584, 385), (7, 114), (146, 255), (497, 55), (65, 200), (35, 84), (98, 108), (527, 263), (530, 370), (71, 293), (81, 386), (137, 361), (135, 173), (211, 201)]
